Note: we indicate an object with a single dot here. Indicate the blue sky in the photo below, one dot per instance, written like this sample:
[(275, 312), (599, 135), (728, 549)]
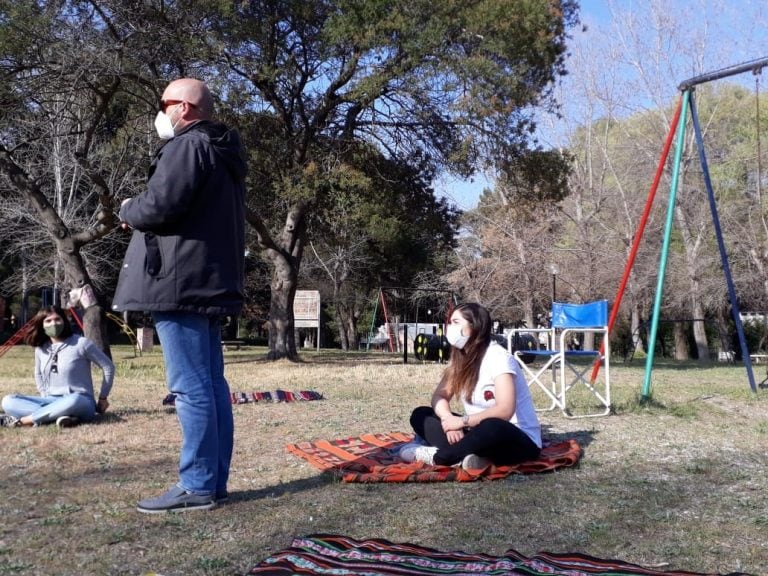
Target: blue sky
[(675, 39), (465, 193)]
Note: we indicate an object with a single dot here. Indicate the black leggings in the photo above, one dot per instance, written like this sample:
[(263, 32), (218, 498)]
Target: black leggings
[(499, 440)]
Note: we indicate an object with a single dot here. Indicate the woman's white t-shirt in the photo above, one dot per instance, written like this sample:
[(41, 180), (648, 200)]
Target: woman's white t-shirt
[(498, 361)]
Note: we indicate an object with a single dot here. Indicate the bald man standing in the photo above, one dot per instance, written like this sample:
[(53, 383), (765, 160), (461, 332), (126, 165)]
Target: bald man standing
[(184, 264)]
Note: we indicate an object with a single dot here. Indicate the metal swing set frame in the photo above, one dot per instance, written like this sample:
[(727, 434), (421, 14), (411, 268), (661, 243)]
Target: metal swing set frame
[(556, 356), (676, 132)]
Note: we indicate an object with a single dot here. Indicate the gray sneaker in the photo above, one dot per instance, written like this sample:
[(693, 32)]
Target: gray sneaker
[(8, 421), (176, 500), (475, 462)]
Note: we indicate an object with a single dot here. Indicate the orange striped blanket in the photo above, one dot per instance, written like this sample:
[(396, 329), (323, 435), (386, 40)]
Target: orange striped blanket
[(372, 458)]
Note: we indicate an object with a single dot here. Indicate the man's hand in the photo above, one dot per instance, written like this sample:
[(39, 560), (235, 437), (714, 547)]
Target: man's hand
[(124, 225), (102, 405)]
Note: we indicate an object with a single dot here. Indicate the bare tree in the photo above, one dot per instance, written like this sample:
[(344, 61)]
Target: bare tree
[(619, 101), (79, 89)]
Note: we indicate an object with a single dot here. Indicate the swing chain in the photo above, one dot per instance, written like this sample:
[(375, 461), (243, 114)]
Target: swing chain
[(757, 71)]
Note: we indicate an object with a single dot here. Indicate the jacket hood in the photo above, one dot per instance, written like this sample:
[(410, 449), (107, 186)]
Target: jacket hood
[(227, 144)]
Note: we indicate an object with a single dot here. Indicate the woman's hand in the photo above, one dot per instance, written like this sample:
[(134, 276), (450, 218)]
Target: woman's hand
[(452, 423), (102, 405), (454, 436)]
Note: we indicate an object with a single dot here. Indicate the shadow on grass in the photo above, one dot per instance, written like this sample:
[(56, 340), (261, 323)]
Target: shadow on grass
[(120, 416), (322, 358), (292, 487), (680, 365), (638, 403), (583, 437)]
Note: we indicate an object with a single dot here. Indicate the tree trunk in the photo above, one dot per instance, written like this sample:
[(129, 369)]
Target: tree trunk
[(702, 343), (589, 341), (341, 313), (353, 339), (68, 247), (692, 245), (76, 277), (282, 343), (528, 314), (699, 331), (285, 255), (341, 325), (637, 340), (724, 332), (681, 341), (24, 288)]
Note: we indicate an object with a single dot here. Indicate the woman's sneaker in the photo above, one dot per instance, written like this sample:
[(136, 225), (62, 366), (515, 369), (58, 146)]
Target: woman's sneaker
[(475, 462), (416, 453), (8, 421), (407, 448)]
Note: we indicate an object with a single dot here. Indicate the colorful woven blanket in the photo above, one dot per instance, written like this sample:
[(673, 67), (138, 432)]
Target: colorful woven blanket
[(276, 396), (372, 458), (327, 554), (246, 397)]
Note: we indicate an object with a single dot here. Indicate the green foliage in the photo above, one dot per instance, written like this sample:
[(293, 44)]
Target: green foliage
[(536, 177), (755, 333), (389, 212), (450, 79)]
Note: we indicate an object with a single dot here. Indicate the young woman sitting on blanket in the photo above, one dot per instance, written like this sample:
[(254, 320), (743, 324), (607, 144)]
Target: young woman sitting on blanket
[(499, 425), (62, 374)]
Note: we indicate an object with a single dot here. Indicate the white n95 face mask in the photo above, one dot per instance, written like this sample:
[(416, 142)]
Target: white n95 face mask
[(164, 126), (455, 337)]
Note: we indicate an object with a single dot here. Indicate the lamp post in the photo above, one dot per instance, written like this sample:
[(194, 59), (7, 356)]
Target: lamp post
[(553, 270)]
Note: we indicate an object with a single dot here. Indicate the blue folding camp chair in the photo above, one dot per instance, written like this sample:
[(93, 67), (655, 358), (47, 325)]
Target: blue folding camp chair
[(564, 366)]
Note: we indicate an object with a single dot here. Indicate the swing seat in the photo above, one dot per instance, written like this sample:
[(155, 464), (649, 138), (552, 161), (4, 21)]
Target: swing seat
[(563, 369)]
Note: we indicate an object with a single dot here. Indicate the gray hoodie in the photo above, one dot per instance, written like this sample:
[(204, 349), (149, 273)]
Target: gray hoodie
[(63, 368)]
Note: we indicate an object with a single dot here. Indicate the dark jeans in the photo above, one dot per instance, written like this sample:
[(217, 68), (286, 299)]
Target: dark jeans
[(499, 440)]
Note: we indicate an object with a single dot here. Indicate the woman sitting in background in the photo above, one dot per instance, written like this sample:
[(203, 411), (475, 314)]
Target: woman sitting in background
[(499, 425), (62, 374)]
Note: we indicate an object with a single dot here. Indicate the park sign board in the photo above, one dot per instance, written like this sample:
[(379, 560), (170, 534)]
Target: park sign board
[(306, 311)]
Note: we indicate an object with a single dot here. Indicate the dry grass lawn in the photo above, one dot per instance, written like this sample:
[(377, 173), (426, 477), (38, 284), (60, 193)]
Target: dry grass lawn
[(682, 484)]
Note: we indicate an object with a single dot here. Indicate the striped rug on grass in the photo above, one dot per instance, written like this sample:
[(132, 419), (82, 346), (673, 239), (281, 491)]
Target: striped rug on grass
[(340, 555), (372, 458)]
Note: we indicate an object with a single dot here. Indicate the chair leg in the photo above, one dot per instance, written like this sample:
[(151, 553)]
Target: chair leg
[(580, 377), (535, 378)]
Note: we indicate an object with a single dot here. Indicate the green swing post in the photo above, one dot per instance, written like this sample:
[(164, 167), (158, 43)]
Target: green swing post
[(646, 394), (373, 322)]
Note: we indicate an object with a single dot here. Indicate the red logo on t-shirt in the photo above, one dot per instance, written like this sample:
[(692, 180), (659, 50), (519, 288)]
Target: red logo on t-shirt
[(488, 395)]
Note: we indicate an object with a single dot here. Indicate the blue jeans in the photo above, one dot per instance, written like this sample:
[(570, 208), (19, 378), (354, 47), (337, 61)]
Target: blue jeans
[(194, 369), (46, 409)]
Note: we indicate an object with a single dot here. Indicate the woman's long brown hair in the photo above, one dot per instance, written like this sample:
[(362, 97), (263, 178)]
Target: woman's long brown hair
[(464, 366), (37, 336)]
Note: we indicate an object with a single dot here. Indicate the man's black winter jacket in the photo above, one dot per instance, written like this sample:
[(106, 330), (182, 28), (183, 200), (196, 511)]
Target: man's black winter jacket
[(188, 246)]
